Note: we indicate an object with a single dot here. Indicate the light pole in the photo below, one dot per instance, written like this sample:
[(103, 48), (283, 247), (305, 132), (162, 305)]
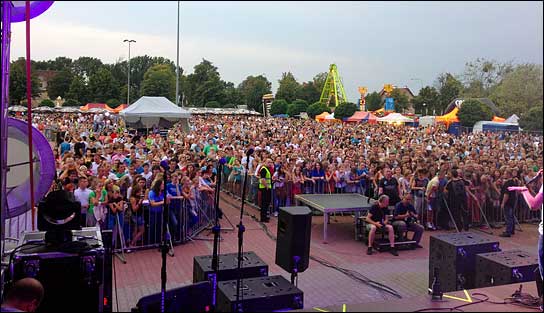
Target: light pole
[(420, 84), (425, 107), (128, 83), (177, 64)]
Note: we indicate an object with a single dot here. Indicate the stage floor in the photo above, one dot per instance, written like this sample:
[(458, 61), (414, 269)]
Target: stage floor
[(323, 286)]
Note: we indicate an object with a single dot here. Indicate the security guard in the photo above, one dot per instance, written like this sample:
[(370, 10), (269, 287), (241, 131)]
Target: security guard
[(265, 187)]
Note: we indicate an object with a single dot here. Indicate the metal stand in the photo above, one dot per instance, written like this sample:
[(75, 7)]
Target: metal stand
[(451, 215), (121, 239), (216, 231), (490, 232), (241, 229), (164, 243)]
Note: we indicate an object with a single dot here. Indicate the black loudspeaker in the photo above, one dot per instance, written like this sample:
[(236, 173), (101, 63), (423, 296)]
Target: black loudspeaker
[(107, 240), (503, 268), (261, 294), (294, 235), (454, 255), (193, 298), (252, 266), (72, 274)]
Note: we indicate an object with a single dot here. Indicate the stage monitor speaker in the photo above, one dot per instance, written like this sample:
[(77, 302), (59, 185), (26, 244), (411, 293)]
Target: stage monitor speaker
[(294, 236), (252, 266), (503, 268), (261, 294), (192, 298), (454, 255), (72, 274)]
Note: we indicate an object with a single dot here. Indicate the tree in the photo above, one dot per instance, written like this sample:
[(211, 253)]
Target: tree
[(481, 76), (309, 92), (473, 111), (47, 103), (60, 84), (204, 85), (373, 101), (279, 106), (113, 103), (159, 81), (532, 121), (319, 81), (401, 100), (86, 66), (78, 90), (232, 95), (213, 104), (288, 88), (102, 86), (71, 103), (429, 96), (296, 107), (17, 82), (252, 90), (520, 90), (317, 108), (449, 88), (344, 110)]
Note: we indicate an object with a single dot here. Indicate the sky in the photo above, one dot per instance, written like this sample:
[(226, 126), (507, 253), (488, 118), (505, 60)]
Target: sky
[(372, 43)]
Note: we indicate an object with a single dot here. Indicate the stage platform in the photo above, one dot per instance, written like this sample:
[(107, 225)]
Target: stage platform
[(334, 203), (472, 300)]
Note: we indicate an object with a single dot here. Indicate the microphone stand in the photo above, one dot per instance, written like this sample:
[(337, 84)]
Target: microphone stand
[(164, 243), (241, 229), (216, 231)]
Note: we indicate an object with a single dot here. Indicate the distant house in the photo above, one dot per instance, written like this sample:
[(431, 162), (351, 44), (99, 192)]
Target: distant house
[(405, 90), (44, 77)]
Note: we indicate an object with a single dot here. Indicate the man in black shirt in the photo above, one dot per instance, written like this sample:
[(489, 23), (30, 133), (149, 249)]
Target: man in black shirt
[(377, 219), (457, 191), (406, 219), (389, 186), (508, 203)]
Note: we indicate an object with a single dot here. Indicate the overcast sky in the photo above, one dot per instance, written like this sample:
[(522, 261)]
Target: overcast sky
[(372, 43)]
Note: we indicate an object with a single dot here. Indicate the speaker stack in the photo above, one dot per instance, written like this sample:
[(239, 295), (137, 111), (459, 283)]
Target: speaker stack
[(506, 267), (454, 255)]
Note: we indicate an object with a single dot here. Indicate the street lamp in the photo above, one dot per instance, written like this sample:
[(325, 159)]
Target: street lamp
[(425, 106), (128, 83)]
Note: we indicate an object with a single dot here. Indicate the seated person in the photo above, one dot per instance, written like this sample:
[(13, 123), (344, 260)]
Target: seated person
[(24, 296), (377, 219), (405, 218)]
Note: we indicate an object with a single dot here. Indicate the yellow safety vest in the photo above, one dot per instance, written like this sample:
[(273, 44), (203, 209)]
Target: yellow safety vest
[(268, 179)]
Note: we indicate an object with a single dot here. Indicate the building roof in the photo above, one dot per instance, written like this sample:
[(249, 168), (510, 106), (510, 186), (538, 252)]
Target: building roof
[(405, 88)]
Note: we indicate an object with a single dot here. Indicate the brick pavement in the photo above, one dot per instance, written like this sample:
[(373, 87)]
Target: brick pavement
[(322, 286)]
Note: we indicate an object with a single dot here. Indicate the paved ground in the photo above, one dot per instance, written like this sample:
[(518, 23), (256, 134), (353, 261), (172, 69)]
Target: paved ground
[(322, 286)]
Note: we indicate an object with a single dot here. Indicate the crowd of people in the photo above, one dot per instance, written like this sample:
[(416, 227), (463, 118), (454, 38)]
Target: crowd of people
[(119, 171)]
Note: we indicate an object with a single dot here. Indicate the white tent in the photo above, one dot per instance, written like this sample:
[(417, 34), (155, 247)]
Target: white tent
[(514, 119), (149, 112), (330, 117), (425, 121), (395, 118)]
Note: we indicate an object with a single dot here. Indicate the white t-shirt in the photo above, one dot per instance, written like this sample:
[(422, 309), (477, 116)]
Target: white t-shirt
[(83, 197)]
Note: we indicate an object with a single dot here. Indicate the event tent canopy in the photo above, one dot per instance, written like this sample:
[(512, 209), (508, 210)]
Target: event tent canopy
[(361, 116), (321, 116), (514, 119), (395, 118), (150, 112)]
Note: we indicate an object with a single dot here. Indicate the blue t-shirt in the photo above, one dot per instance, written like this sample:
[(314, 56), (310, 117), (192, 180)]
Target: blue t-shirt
[(171, 190), (155, 198), (64, 147), (360, 172), (139, 170)]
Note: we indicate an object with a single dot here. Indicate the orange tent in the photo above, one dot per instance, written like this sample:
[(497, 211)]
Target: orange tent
[(498, 119), (321, 117), (357, 116), (89, 106), (448, 118), (117, 109)]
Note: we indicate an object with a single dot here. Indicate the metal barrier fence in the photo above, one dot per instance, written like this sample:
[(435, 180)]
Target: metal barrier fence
[(143, 229)]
